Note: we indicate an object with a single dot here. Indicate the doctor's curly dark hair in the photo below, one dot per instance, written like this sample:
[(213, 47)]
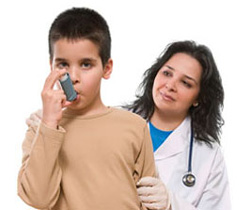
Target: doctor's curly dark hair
[(206, 117)]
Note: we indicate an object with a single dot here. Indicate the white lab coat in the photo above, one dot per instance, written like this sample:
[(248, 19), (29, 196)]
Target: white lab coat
[(211, 190)]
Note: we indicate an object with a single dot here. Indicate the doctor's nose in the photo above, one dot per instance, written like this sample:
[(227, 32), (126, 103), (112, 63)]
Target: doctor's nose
[(170, 85)]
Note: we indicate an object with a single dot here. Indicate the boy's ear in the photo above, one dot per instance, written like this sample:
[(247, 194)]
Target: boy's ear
[(108, 69)]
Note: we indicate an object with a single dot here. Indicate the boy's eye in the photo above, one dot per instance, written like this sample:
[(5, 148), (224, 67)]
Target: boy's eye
[(86, 65), (62, 65)]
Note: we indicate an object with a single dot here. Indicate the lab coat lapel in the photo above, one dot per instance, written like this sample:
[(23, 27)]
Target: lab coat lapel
[(176, 142)]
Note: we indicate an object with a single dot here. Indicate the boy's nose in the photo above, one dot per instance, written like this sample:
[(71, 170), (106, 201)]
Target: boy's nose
[(74, 75)]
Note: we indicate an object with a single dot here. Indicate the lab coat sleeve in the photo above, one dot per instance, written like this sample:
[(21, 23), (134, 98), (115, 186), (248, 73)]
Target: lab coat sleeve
[(40, 174), (216, 193)]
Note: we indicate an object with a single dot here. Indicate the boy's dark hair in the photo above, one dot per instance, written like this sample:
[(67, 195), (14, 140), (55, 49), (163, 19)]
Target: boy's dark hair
[(206, 117), (82, 23)]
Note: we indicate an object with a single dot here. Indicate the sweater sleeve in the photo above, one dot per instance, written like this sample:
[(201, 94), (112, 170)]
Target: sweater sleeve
[(40, 174), (145, 164)]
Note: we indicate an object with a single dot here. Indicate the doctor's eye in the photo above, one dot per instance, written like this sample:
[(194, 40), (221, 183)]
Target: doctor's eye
[(167, 73), (187, 84)]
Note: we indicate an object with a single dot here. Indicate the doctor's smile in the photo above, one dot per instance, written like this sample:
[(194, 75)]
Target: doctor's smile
[(166, 97)]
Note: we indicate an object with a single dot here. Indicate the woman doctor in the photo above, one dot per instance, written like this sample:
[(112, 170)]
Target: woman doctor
[(181, 96)]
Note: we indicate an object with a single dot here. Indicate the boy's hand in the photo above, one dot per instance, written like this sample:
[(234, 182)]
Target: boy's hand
[(53, 100)]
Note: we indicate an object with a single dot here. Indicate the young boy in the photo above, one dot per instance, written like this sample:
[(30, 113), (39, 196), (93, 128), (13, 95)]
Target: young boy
[(83, 155)]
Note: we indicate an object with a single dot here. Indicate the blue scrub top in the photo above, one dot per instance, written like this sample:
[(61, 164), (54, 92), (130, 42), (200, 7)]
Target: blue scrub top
[(158, 136)]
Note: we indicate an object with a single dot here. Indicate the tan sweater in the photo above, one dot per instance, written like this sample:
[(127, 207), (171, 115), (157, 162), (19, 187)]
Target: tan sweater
[(90, 163)]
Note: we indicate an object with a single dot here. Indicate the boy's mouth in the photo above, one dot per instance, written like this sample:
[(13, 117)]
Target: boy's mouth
[(77, 98)]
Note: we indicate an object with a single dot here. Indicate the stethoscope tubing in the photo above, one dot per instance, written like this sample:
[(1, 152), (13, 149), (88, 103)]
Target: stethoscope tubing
[(190, 151), (189, 179)]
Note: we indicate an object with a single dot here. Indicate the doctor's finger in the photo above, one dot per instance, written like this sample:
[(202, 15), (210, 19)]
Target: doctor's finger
[(150, 199), (157, 172), (149, 191), (155, 206), (147, 181), (145, 191), (35, 117), (39, 113), (30, 122)]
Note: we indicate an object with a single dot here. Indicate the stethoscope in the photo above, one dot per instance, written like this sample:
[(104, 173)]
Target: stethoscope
[(189, 178)]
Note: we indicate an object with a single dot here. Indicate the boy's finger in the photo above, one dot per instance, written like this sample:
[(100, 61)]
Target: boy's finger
[(66, 103), (58, 85), (53, 77)]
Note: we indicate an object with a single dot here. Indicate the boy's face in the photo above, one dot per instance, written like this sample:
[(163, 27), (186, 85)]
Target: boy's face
[(82, 61)]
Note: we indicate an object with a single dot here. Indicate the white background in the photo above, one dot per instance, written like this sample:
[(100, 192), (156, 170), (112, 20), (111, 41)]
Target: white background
[(140, 30)]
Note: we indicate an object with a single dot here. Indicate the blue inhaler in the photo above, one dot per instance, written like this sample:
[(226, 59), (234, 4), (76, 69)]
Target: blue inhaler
[(67, 87)]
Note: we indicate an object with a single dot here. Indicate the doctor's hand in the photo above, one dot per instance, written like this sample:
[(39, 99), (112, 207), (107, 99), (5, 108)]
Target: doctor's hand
[(35, 118), (153, 193)]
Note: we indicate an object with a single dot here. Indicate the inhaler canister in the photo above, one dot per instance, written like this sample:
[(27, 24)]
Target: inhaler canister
[(67, 87)]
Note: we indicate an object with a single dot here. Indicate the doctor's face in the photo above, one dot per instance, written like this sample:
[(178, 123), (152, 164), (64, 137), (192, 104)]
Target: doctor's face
[(177, 85)]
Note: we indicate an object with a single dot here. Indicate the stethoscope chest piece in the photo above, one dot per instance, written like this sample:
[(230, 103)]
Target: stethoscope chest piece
[(189, 180)]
